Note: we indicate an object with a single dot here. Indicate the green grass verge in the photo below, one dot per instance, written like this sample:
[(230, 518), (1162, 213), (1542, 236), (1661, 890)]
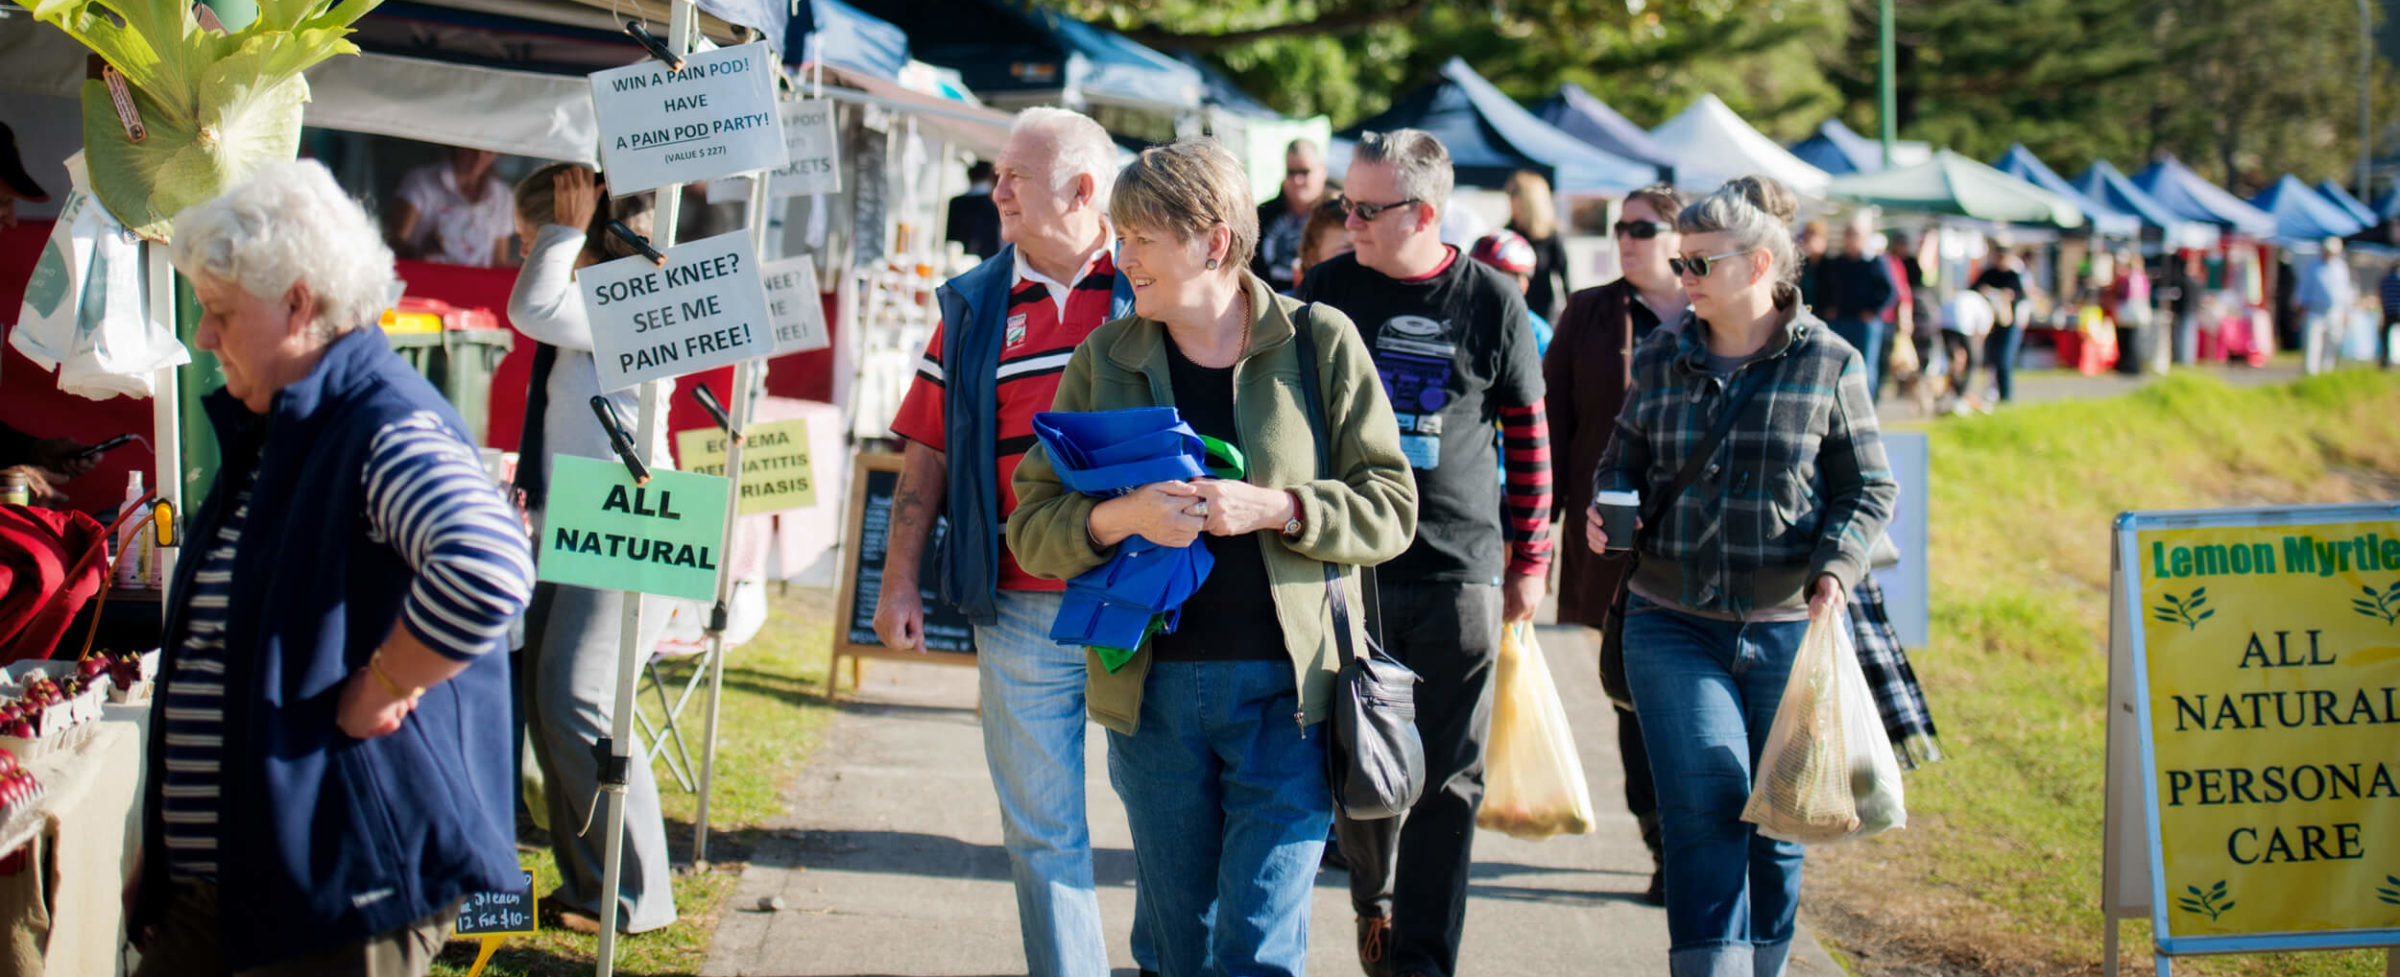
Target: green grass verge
[(768, 723), (1999, 870)]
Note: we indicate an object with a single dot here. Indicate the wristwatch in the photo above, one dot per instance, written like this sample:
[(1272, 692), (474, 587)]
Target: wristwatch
[(1293, 525)]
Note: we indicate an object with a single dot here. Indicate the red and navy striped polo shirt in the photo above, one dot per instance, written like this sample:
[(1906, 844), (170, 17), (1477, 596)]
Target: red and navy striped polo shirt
[(1034, 349)]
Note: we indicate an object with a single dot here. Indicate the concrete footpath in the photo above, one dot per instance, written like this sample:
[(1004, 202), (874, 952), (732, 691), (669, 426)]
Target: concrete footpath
[(890, 862)]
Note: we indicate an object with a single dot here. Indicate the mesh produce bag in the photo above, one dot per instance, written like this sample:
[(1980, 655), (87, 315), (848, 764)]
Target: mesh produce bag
[(1533, 776), (1801, 788)]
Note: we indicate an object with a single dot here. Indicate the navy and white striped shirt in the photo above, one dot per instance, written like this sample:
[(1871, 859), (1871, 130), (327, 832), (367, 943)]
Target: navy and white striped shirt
[(427, 497)]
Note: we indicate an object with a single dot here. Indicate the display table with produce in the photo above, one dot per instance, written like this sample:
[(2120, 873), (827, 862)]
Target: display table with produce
[(70, 822)]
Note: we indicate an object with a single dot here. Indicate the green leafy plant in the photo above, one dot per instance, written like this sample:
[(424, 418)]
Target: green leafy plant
[(2385, 605), (216, 106), (2389, 893), (2211, 903), (2186, 611)]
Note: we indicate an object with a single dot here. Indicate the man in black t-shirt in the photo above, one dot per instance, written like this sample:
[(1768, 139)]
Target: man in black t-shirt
[(1455, 346)]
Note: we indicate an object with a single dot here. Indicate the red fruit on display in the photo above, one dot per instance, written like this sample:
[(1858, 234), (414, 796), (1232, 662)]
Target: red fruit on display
[(21, 729), (92, 666)]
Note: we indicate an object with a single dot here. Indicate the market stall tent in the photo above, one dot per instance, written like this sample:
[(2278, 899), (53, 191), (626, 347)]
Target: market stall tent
[(1840, 150), (1720, 146), (1955, 185), (2105, 219), (2301, 216), (2103, 182), (2356, 208), (1490, 137), (1017, 55), (1583, 115), (2193, 198)]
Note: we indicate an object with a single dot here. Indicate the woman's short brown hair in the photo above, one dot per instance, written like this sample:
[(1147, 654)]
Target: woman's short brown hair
[(1188, 187), (536, 203), (1663, 198)]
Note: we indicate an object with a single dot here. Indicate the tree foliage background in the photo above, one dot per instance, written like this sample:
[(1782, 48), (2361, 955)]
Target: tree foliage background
[(2242, 90)]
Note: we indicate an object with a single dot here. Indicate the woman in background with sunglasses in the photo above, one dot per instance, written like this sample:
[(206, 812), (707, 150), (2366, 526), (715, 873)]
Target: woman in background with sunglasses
[(1588, 370), (1773, 529)]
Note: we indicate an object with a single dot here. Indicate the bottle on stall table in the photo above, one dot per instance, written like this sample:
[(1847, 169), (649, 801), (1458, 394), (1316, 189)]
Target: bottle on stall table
[(15, 489), (133, 550)]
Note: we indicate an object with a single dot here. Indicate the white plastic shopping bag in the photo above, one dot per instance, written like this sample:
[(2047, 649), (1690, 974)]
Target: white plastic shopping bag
[(1533, 776), (1801, 786), (1874, 768), (84, 314)]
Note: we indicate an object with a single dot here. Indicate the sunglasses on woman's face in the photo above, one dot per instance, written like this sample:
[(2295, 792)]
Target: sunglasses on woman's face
[(1643, 230), (1697, 266)]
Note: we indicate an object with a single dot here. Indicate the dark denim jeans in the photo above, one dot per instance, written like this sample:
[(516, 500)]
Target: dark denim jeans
[(1706, 691), (1227, 800), (2001, 347)]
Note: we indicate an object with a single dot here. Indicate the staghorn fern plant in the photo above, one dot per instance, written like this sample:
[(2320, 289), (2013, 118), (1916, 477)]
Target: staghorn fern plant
[(216, 105)]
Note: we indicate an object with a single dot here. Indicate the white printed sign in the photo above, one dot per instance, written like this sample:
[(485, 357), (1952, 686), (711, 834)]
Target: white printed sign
[(716, 117), (810, 164), (706, 307), (795, 306)]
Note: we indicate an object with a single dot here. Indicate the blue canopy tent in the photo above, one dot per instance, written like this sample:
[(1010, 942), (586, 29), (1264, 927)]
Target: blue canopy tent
[(1583, 115), (1017, 54), (1840, 150), (2103, 182), (2301, 216), (2351, 205), (846, 37), (1490, 137), (2106, 220), (2193, 198)]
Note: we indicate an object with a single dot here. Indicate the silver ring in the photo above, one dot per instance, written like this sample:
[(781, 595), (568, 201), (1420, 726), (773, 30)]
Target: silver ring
[(1200, 509)]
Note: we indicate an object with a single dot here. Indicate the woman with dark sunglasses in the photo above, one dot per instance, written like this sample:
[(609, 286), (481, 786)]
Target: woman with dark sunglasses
[(1588, 369), (1772, 529)]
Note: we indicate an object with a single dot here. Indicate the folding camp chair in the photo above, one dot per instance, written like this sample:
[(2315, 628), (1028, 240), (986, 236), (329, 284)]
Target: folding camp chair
[(679, 762)]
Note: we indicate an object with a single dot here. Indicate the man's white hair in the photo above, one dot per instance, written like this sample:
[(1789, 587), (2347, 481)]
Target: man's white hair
[(1081, 148), (290, 224)]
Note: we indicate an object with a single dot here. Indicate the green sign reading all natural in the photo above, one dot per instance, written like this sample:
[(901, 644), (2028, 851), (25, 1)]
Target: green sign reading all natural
[(603, 531)]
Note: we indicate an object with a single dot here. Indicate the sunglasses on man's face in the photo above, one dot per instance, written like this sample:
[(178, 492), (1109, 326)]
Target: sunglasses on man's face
[(1698, 266), (1368, 212), (1643, 230)]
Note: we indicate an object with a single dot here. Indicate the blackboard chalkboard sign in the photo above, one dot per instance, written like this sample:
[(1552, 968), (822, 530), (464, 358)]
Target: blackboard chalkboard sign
[(498, 913), (875, 482)]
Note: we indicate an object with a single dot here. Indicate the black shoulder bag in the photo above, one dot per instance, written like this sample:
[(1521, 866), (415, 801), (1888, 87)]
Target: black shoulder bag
[(1375, 763), (1612, 634)]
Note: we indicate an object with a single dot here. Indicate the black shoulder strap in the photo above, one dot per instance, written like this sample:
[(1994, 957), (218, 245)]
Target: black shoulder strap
[(1736, 400), (1313, 399)]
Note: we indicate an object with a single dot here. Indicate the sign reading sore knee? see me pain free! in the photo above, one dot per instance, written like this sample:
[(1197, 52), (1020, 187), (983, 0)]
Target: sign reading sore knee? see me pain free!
[(705, 307), (600, 530), (715, 117)]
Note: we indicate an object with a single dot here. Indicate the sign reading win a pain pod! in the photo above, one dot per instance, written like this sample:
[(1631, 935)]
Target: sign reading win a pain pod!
[(705, 307), (603, 531), (714, 117), (2267, 648)]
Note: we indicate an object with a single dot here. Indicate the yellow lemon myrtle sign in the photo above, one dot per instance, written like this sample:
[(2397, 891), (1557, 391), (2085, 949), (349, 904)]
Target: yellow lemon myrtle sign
[(2268, 652)]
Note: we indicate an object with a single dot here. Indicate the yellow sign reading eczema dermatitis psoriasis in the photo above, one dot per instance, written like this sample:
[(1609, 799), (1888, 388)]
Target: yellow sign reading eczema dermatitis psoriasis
[(2272, 656)]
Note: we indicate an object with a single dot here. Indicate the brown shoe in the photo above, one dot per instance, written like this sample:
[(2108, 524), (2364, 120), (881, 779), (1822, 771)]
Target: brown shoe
[(576, 922), (1375, 945)]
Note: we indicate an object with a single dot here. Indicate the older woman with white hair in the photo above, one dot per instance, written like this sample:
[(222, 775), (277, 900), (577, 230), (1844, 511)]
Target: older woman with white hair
[(1215, 735), (329, 769), (1752, 439)]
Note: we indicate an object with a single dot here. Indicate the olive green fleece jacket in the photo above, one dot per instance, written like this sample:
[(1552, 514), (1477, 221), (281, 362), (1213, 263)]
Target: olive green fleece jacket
[(1365, 515)]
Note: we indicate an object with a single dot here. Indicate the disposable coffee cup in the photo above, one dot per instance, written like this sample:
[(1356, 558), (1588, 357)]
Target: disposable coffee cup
[(1619, 511)]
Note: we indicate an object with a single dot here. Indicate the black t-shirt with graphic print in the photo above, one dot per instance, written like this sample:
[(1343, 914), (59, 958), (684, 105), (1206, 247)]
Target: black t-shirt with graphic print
[(1453, 348)]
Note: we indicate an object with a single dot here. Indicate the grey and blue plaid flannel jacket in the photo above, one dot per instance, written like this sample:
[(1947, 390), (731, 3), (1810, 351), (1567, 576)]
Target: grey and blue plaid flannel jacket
[(1800, 487)]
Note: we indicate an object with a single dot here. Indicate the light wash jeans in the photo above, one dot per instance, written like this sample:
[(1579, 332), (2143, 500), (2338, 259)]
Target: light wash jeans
[(1706, 692), (1033, 722), (2321, 335), (1227, 799)]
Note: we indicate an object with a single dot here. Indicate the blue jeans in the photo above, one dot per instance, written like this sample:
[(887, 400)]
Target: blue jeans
[(1033, 721), (1706, 692), (1226, 796), (2001, 348), (1866, 336)]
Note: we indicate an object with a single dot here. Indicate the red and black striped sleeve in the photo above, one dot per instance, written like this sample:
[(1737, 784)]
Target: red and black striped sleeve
[(1525, 500)]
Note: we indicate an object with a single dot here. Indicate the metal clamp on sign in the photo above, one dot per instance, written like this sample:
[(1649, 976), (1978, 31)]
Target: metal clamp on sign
[(638, 242), (657, 48), (619, 440), (716, 411)]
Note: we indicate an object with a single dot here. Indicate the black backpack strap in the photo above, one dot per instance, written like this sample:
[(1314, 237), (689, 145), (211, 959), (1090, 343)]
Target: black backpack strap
[(1312, 398)]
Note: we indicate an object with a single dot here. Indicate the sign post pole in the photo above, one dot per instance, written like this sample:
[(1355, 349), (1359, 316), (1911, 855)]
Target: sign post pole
[(745, 380), (680, 26)]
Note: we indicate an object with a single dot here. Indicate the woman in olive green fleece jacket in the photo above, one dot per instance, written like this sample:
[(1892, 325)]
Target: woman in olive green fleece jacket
[(1210, 745)]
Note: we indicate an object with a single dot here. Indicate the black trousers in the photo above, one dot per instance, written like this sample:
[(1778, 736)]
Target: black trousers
[(1449, 633)]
